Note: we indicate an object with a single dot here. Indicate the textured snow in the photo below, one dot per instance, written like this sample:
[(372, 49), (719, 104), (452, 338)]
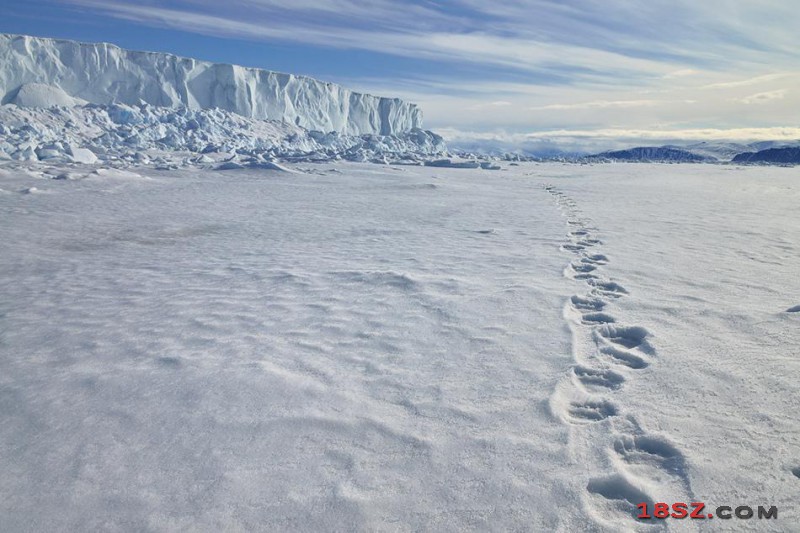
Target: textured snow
[(360, 347), (106, 74)]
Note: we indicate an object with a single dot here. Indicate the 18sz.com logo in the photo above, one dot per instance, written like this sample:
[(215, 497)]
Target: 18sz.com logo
[(698, 510)]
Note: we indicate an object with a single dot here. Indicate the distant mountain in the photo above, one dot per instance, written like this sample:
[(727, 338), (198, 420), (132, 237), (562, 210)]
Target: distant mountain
[(719, 150), (788, 155), (654, 154)]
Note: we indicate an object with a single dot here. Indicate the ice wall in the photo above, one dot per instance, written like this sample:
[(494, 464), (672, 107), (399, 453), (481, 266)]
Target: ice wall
[(104, 74)]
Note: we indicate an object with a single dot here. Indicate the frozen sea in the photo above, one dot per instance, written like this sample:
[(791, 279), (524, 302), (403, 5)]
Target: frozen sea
[(351, 347)]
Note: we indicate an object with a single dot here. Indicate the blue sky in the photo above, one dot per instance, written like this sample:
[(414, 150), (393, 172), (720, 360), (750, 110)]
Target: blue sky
[(517, 71)]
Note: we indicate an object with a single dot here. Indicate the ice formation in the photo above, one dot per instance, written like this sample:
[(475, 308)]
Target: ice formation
[(40, 72)]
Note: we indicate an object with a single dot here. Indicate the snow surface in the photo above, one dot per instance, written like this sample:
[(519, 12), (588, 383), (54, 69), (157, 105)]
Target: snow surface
[(106, 74), (361, 347)]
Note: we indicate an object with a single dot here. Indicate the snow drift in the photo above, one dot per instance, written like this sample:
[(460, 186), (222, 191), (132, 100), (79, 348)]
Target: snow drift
[(32, 68)]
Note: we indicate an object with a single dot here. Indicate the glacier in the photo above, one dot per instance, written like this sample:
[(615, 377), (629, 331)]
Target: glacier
[(103, 73)]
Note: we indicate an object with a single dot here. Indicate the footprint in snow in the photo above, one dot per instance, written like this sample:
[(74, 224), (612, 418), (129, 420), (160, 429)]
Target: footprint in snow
[(592, 410), (586, 304), (595, 259), (629, 337), (583, 267), (653, 451), (617, 488), (610, 288), (593, 378), (624, 344), (597, 318), (624, 357)]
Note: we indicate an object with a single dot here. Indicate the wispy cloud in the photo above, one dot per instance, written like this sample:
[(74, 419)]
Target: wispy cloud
[(405, 37), (691, 134), (763, 98), (490, 105), (746, 82), (528, 65), (599, 104)]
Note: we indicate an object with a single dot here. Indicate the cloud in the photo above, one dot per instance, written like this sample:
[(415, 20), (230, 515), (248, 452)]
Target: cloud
[(405, 37), (585, 40), (576, 64), (695, 134), (490, 105), (682, 73), (763, 98), (600, 104), (595, 141), (746, 82)]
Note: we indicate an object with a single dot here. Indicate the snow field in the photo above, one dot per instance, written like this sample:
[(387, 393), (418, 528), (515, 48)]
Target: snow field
[(368, 347)]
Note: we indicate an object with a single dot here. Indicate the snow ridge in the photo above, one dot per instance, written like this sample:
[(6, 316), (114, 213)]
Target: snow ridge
[(105, 74)]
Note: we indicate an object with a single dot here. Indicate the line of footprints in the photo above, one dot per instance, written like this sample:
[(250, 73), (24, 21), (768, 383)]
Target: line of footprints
[(606, 353)]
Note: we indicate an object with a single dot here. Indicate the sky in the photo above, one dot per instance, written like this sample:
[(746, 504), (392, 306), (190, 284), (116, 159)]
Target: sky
[(532, 74)]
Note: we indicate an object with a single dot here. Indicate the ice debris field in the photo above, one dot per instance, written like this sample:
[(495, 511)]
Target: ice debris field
[(344, 347), (132, 136)]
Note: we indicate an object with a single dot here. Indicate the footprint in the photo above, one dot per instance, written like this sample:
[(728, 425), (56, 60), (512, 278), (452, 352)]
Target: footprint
[(796, 471), (598, 318), (598, 378), (587, 304), (579, 233), (618, 488), (169, 362), (592, 410), (583, 267), (630, 337), (611, 288), (595, 259), (624, 357), (572, 247), (586, 277), (653, 451), (795, 309)]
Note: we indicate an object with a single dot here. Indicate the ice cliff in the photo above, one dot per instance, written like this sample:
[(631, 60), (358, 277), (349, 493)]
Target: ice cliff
[(38, 72)]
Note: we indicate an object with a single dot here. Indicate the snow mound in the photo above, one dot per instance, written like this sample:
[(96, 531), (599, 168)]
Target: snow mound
[(40, 95), (106, 74)]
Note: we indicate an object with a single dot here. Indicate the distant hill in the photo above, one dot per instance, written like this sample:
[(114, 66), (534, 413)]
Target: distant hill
[(787, 155), (654, 154)]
